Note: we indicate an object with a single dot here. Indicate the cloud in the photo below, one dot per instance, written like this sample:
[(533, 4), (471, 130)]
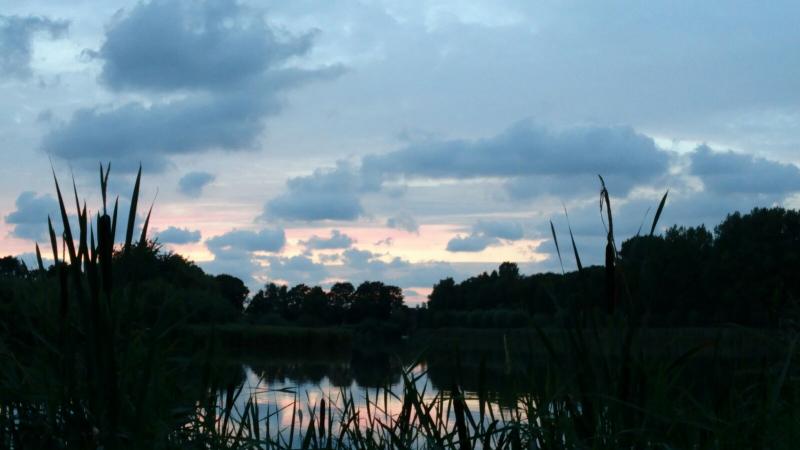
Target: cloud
[(471, 243), (486, 233), (736, 173), (362, 265), (234, 252), (531, 161), (30, 217), (173, 235), (296, 269), (387, 241), (167, 45), (337, 240), (499, 229), (266, 240), (134, 132), (238, 263), (16, 42), (403, 221), (226, 68), (524, 151), (192, 184), (326, 194)]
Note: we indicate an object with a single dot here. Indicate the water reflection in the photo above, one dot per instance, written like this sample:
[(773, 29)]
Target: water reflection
[(288, 392)]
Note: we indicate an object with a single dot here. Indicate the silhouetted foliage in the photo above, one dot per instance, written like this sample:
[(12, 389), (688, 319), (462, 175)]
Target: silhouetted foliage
[(11, 267), (342, 304), (745, 273), (233, 290)]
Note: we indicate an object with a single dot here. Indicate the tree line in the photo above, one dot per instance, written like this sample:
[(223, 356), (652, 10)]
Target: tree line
[(745, 271)]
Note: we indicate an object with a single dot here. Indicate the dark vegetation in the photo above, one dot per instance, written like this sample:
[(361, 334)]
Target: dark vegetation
[(745, 272), (117, 346)]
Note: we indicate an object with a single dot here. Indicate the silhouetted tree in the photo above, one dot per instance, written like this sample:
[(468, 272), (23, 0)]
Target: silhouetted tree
[(11, 267), (233, 290)]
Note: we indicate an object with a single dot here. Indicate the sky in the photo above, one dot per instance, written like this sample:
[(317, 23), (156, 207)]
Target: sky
[(402, 141)]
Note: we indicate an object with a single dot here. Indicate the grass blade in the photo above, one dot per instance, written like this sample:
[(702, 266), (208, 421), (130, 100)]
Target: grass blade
[(132, 213), (143, 239), (65, 219), (39, 258), (658, 212), (572, 238), (53, 240), (114, 221), (558, 250)]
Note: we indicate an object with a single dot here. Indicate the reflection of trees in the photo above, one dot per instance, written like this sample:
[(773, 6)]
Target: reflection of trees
[(368, 370)]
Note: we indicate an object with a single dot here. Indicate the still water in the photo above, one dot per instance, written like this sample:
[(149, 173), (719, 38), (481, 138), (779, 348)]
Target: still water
[(288, 393)]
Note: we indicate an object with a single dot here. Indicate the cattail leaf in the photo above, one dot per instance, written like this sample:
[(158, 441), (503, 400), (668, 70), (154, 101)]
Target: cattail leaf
[(572, 238), (143, 239), (132, 213), (105, 244), (65, 219), (75, 191), (658, 212), (92, 247), (103, 186), (558, 250), (114, 221), (605, 198), (82, 238), (610, 278), (39, 258), (53, 240)]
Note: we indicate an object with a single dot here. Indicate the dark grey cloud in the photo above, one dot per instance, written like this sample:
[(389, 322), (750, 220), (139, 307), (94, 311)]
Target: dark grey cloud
[(525, 150), (532, 160), (337, 240), (134, 132), (174, 235), (16, 42), (192, 183), (403, 221), (213, 44), (326, 194), (296, 269), (362, 265), (238, 263), (471, 243), (511, 231), (737, 173), (227, 68), (30, 217), (266, 240), (234, 252), (486, 233)]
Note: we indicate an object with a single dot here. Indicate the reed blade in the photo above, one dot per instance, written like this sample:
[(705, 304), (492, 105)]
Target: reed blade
[(558, 250), (114, 221), (574, 247), (103, 186), (132, 212), (143, 239), (39, 258), (53, 240), (65, 219), (658, 212)]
